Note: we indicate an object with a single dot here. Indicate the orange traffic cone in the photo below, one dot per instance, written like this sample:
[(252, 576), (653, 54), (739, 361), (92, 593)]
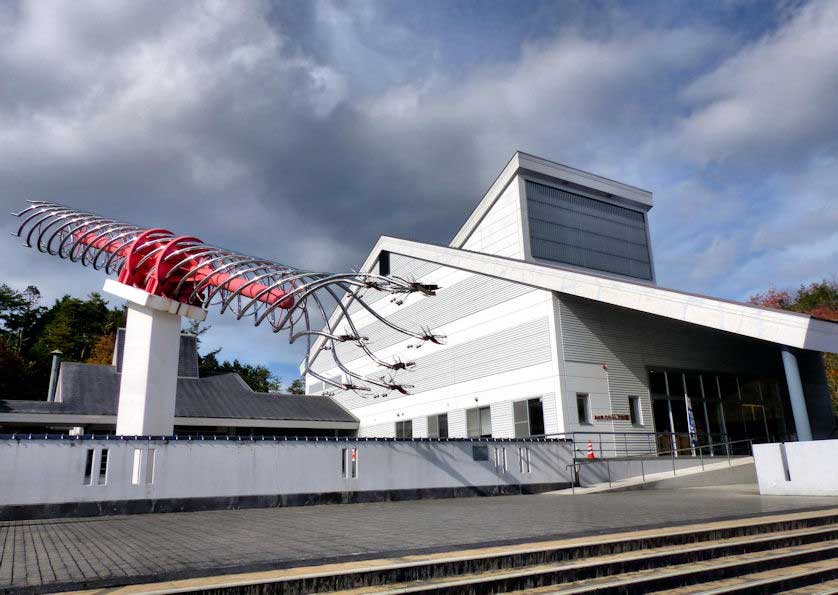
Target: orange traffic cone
[(591, 454)]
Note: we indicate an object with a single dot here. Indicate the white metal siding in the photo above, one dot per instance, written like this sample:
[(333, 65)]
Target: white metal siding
[(420, 427), (551, 417), (501, 230), (503, 424), (518, 347), (462, 299), (457, 424), (386, 430), (627, 342)]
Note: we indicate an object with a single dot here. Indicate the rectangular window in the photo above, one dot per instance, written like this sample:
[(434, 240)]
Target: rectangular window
[(500, 458), (635, 414), (404, 429), (438, 426), (136, 469), (529, 418), (103, 467), (344, 462), (480, 452), (88, 467), (524, 459), (149, 467), (479, 422), (353, 462), (583, 409)]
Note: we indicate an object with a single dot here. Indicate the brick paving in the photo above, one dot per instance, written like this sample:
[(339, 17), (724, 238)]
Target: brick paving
[(104, 551)]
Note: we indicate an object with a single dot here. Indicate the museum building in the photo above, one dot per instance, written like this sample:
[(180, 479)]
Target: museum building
[(555, 324)]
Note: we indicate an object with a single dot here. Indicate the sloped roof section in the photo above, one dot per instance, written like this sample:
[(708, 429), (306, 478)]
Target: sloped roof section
[(777, 326), (88, 389)]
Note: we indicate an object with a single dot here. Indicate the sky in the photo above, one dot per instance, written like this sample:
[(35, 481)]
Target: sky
[(302, 131)]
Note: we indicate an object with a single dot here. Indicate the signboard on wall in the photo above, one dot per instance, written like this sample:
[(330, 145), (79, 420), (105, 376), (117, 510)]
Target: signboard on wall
[(612, 417)]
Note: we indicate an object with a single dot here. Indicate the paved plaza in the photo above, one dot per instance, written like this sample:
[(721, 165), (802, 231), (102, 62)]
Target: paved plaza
[(77, 552)]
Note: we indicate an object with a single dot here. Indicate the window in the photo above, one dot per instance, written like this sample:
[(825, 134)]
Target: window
[(103, 467), (524, 459), (500, 458), (149, 467), (138, 461), (635, 415), (657, 382), (438, 426), (529, 418), (693, 382), (404, 429), (480, 452), (479, 422), (349, 462), (583, 409), (137, 469), (88, 467)]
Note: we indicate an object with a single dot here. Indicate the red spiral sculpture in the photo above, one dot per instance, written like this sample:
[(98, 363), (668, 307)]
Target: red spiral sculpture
[(185, 269)]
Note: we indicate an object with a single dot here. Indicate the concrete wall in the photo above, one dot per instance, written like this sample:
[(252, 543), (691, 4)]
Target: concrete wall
[(797, 468), (34, 472)]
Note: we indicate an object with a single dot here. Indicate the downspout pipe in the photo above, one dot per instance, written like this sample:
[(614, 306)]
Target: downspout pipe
[(798, 400), (53, 374)]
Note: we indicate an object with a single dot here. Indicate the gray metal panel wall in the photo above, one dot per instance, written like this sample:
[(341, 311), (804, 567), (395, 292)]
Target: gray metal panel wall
[(582, 231), (628, 341)]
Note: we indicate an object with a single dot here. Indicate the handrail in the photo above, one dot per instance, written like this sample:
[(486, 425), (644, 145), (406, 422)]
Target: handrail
[(642, 457)]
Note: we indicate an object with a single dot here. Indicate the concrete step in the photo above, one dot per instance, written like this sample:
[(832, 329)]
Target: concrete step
[(731, 569), (809, 578), (829, 587), (551, 564), (639, 572)]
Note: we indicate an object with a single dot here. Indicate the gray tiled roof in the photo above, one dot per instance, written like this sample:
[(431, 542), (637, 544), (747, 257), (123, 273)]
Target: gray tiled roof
[(187, 364), (88, 389)]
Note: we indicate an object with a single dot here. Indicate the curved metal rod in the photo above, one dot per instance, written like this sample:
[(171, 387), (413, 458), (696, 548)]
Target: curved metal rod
[(289, 299)]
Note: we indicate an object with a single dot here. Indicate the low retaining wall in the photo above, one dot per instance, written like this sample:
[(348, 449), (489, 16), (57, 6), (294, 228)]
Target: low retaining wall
[(48, 478), (797, 468)]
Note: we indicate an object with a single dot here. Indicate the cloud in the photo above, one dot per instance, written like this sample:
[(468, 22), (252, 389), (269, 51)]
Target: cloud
[(302, 132), (772, 101)]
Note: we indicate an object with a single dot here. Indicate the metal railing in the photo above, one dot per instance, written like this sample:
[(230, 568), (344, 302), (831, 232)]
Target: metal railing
[(621, 444), (673, 454)]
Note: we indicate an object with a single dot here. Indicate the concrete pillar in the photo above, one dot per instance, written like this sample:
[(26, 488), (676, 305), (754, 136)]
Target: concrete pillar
[(149, 373), (148, 383), (798, 400)]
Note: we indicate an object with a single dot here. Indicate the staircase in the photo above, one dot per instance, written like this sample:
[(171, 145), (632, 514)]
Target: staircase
[(789, 553)]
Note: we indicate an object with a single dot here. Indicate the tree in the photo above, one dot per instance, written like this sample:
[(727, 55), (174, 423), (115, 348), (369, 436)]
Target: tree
[(297, 387), (257, 377), (74, 326), (102, 352), (816, 299)]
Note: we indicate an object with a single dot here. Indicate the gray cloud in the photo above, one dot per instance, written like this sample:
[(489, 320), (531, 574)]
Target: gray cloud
[(302, 132)]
